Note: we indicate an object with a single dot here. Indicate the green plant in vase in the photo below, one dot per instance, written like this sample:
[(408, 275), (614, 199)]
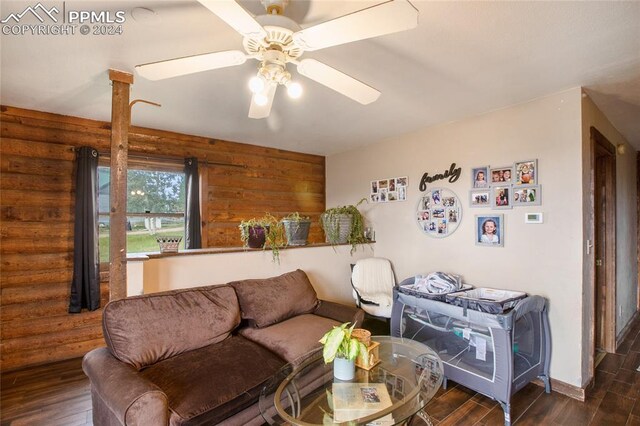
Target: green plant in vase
[(344, 224), (249, 234), (338, 343), (341, 348), (265, 232)]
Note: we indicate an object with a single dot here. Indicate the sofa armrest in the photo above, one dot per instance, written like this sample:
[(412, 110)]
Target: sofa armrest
[(339, 312), (131, 398)]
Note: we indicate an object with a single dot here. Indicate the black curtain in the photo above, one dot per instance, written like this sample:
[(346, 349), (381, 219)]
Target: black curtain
[(192, 233), (85, 286)]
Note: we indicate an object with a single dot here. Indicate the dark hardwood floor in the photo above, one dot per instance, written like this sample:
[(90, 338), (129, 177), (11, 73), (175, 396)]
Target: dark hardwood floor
[(58, 395), (55, 394)]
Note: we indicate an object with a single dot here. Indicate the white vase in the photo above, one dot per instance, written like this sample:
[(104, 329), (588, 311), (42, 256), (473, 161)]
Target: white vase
[(344, 369)]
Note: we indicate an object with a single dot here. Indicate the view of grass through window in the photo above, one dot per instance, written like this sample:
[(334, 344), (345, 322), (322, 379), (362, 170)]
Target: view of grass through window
[(155, 207)]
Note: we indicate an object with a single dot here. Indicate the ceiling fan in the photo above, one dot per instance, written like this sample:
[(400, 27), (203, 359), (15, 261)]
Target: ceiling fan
[(275, 41)]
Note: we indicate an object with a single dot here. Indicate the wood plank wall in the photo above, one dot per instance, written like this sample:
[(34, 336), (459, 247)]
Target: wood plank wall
[(37, 181)]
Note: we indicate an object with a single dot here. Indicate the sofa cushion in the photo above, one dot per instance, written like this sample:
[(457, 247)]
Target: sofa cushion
[(271, 300), (291, 339), (146, 329), (207, 385)]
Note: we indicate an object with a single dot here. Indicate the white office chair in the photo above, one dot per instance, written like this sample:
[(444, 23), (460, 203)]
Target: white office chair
[(373, 281)]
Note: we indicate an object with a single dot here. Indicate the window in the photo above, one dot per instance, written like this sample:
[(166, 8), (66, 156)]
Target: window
[(155, 206)]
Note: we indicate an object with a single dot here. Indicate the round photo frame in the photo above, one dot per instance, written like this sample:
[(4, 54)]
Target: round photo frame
[(439, 212)]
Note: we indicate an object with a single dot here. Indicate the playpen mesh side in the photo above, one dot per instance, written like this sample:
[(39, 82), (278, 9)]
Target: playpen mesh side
[(458, 343)]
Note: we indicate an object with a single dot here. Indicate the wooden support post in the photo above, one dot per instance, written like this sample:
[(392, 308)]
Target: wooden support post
[(204, 204), (120, 121)]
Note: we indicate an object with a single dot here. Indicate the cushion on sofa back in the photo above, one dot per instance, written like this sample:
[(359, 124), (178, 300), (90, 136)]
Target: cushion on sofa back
[(271, 300), (143, 330)]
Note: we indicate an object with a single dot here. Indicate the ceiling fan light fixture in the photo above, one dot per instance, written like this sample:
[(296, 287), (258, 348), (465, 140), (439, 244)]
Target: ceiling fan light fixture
[(260, 99), (294, 90), (257, 84)]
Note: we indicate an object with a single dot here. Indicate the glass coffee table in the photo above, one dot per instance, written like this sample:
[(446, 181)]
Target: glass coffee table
[(393, 391)]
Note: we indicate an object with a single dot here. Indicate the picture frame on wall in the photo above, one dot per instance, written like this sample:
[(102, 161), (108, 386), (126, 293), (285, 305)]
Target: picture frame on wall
[(501, 197), (425, 203), (480, 177), (402, 193), (489, 230), (439, 212), (436, 197), (452, 215), (388, 190), (501, 175), (423, 216), (480, 198), (525, 172), (526, 195), (442, 227)]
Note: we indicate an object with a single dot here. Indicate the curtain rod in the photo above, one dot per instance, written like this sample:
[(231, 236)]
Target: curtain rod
[(170, 160)]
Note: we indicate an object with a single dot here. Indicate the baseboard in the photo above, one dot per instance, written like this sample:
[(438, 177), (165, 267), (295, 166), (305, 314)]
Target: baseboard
[(571, 391), (627, 328)]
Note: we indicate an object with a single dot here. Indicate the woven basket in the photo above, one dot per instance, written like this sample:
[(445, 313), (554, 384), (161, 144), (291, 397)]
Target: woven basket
[(168, 244), (362, 335)]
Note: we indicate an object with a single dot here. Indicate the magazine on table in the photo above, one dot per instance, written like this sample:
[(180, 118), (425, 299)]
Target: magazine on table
[(356, 400)]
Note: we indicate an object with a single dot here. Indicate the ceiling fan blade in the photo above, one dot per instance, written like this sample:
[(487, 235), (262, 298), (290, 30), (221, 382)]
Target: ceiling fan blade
[(338, 81), (263, 111), (191, 64), (385, 18), (237, 18)]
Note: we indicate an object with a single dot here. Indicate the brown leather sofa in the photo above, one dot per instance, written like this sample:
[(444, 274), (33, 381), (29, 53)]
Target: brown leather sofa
[(201, 356)]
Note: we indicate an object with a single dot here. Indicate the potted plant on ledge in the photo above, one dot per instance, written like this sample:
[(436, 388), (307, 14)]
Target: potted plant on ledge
[(344, 224), (296, 228), (341, 348), (265, 232)]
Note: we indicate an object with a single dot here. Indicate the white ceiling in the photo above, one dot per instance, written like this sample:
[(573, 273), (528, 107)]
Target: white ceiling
[(464, 59)]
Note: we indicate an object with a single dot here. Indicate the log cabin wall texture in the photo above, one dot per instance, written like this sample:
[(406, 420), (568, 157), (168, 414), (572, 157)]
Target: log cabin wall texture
[(37, 183)]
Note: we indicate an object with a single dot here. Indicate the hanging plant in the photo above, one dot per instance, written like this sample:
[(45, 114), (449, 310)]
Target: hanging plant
[(270, 227), (296, 228), (344, 224)]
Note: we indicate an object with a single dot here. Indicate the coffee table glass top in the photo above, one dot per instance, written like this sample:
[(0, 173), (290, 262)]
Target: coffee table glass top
[(407, 377)]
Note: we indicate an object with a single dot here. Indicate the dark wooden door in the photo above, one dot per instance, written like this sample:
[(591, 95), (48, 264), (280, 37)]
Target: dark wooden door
[(604, 215), (600, 244)]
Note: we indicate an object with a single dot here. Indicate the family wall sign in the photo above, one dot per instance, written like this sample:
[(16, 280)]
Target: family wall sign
[(453, 174)]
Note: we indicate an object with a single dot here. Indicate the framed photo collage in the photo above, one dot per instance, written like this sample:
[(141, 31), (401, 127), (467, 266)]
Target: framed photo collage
[(506, 187), (389, 190), (439, 212)]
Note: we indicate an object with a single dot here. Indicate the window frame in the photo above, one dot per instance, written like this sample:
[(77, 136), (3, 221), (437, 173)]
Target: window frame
[(169, 165)]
